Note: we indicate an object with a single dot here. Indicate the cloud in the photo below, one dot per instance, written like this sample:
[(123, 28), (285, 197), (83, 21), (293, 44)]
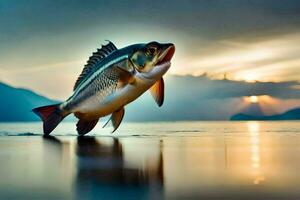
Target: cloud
[(275, 59), (211, 18), (202, 98), (204, 87)]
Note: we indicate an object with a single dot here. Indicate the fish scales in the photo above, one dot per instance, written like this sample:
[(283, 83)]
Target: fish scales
[(103, 85)]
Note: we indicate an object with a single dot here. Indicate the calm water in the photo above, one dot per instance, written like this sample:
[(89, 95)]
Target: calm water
[(183, 160)]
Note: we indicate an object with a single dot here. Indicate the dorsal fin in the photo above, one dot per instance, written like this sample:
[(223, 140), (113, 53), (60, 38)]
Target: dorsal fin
[(96, 58)]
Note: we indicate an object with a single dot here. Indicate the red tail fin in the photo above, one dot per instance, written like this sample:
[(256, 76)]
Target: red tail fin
[(51, 116)]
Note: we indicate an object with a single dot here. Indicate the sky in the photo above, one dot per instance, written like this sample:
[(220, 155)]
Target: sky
[(44, 43)]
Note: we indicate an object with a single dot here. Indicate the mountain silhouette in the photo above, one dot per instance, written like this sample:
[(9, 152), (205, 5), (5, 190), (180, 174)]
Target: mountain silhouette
[(17, 103), (293, 114)]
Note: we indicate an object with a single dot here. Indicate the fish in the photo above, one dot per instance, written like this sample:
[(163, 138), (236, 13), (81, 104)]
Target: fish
[(111, 79)]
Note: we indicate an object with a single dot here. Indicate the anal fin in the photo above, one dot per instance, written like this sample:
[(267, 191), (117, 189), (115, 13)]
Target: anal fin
[(157, 91), (85, 126), (116, 118)]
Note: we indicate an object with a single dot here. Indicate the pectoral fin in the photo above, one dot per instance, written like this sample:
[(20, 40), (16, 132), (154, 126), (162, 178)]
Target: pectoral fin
[(126, 71), (125, 77), (116, 118), (157, 91)]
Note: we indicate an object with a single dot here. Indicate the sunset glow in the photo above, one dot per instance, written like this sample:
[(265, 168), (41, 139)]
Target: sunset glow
[(269, 105), (253, 99)]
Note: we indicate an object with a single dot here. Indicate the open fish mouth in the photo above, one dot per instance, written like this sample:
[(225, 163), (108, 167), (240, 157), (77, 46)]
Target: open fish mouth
[(163, 63), (166, 55)]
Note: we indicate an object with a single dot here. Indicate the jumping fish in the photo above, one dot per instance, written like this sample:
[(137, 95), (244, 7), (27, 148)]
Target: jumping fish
[(111, 79)]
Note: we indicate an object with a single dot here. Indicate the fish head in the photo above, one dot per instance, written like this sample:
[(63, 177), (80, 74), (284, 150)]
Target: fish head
[(153, 59)]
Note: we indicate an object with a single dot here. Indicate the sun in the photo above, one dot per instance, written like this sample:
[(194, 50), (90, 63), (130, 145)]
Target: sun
[(250, 77), (253, 99)]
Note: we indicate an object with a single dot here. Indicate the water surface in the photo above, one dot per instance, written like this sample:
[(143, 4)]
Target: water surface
[(183, 160)]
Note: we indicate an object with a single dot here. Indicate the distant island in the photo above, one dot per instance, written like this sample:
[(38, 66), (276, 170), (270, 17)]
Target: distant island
[(293, 114)]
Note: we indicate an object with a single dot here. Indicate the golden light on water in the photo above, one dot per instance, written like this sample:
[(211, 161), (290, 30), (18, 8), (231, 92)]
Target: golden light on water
[(254, 131)]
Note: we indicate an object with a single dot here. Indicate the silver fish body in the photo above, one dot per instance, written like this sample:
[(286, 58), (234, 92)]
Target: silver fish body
[(112, 79)]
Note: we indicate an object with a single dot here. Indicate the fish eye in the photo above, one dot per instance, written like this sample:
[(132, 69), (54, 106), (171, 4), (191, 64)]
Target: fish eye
[(151, 50)]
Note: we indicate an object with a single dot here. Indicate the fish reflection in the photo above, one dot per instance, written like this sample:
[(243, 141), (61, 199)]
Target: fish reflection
[(52, 140), (54, 149), (103, 174)]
